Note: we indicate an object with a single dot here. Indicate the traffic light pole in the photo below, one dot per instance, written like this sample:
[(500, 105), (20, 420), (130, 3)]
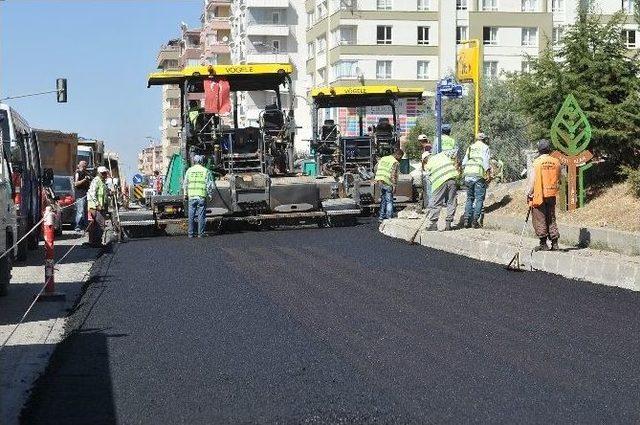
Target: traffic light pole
[(61, 91)]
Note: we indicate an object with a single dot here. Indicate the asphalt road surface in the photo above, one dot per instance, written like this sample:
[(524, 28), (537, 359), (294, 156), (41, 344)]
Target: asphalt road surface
[(337, 325)]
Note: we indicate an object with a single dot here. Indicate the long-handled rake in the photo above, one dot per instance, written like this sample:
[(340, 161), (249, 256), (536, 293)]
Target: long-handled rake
[(515, 264)]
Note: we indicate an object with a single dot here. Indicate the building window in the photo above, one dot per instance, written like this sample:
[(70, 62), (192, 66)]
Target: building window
[(322, 75), (629, 37), (490, 36), (489, 5), (558, 32), (461, 4), (423, 70), (275, 46), (424, 5), (321, 44), (384, 4), (491, 69), (345, 69), (383, 70), (311, 51), (627, 5), (310, 19), (423, 36), (557, 5), (462, 34), (384, 34), (530, 37), (529, 5), (526, 67), (193, 62), (344, 35), (275, 17), (321, 10)]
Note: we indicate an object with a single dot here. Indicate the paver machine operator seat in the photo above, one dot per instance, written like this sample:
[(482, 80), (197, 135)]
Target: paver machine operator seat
[(384, 137)]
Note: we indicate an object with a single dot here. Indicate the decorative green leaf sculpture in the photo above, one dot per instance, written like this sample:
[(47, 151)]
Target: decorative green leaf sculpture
[(571, 131)]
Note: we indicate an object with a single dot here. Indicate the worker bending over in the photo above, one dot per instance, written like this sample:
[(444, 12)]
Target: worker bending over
[(197, 184), (477, 173), (97, 203), (544, 181), (443, 173), (387, 178)]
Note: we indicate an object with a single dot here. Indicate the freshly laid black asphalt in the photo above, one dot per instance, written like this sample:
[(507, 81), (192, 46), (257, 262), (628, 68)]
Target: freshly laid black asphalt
[(337, 325)]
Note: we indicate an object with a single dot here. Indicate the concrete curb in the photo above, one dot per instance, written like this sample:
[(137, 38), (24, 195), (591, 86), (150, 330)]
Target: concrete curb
[(627, 243), (498, 247)]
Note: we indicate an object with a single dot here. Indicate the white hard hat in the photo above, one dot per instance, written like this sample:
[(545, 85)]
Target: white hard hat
[(102, 169), (423, 137)]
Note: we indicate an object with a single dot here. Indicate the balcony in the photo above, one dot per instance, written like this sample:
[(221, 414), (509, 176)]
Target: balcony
[(172, 113), (257, 57), (216, 24), (272, 30), (274, 4), (217, 49), (167, 53)]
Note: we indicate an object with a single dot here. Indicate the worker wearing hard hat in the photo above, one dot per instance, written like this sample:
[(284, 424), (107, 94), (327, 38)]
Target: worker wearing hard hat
[(426, 146), (443, 173), (97, 204), (543, 184), (387, 178), (477, 173), (197, 184)]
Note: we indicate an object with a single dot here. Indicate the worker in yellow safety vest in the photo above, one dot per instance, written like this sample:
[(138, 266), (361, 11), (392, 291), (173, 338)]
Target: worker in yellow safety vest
[(197, 184), (477, 173), (544, 181), (97, 206), (387, 179), (448, 143), (443, 177)]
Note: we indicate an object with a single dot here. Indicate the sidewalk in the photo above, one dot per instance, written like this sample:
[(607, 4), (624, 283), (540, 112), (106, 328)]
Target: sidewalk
[(27, 353), (585, 264)]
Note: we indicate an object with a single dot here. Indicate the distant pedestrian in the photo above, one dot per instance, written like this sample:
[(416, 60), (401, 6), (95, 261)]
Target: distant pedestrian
[(97, 203), (443, 176), (198, 182), (426, 146), (157, 182), (387, 178), (477, 172), (543, 184), (81, 182)]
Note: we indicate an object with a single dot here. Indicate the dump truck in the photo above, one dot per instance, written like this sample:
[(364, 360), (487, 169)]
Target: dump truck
[(58, 151), (253, 164), (351, 159), (92, 151)]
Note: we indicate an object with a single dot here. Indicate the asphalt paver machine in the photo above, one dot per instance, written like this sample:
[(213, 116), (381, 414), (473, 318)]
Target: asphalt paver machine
[(351, 159), (252, 162)]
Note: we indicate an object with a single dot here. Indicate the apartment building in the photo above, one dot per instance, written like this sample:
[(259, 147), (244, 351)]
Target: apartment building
[(413, 43), (216, 32), (169, 59), (150, 160), (271, 31)]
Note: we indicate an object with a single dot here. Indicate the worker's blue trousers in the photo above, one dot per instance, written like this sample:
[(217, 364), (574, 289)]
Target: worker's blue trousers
[(386, 202), (197, 211)]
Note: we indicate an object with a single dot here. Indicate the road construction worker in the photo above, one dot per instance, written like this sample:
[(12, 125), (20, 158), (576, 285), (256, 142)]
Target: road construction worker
[(81, 182), (543, 184), (387, 178), (97, 203), (477, 172), (426, 146), (448, 143), (194, 113), (197, 184), (443, 176)]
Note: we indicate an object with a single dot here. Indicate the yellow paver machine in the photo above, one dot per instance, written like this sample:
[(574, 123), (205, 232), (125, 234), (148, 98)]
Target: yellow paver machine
[(351, 159)]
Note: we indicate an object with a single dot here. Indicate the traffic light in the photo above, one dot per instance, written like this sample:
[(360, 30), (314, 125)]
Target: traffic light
[(61, 86)]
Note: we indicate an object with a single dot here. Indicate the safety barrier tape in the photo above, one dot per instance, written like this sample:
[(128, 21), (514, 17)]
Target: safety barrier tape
[(36, 226)]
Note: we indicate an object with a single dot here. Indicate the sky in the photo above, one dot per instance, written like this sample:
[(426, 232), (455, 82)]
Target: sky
[(105, 48)]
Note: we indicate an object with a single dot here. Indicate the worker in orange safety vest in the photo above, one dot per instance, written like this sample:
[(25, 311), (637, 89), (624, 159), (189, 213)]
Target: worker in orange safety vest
[(544, 181)]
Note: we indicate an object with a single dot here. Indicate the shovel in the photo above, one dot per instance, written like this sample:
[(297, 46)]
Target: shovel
[(515, 264)]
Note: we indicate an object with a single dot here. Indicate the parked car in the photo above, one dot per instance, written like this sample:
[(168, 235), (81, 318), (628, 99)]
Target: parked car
[(65, 192)]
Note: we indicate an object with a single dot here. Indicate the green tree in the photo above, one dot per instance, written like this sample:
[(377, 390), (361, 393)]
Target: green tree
[(594, 65)]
